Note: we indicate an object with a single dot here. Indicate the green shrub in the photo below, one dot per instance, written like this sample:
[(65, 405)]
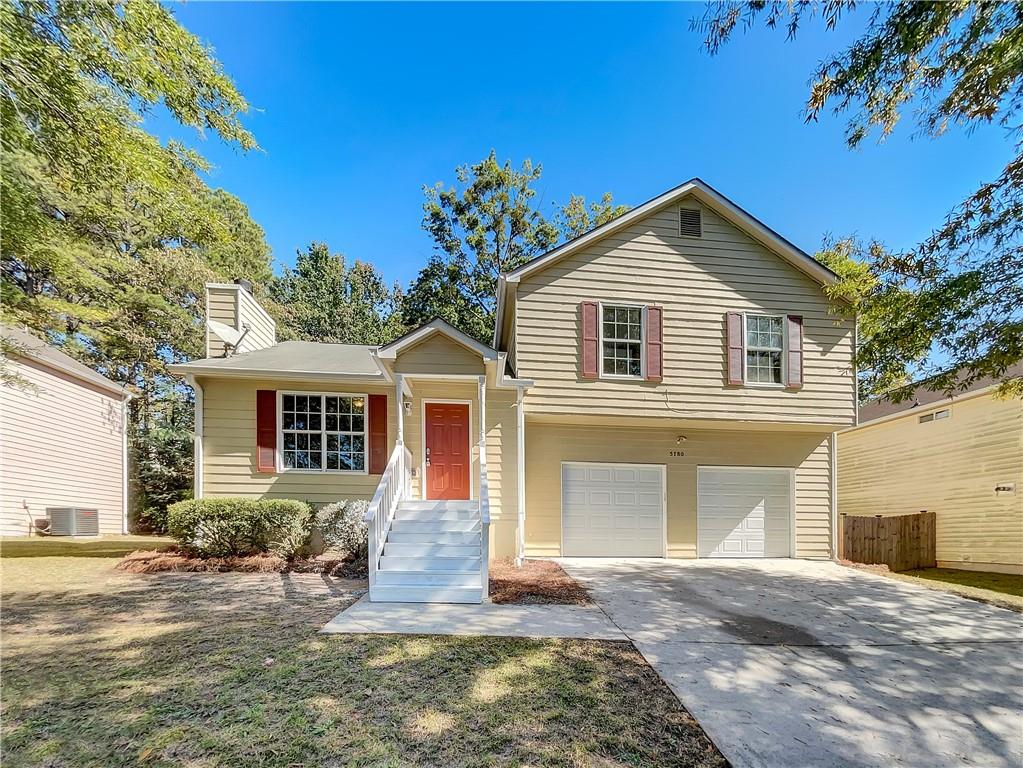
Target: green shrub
[(342, 527), (221, 527)]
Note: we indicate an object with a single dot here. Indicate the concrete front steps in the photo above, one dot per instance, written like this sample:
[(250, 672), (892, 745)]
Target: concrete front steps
[(432, 554)]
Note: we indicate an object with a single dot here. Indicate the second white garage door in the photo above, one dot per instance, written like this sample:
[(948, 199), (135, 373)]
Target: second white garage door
[(612, 510), (744, 512)]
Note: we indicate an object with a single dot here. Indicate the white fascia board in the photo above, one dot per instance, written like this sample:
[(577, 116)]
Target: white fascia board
[(714, 200), (392, 350), (499, 312), (262, 373), (507, 382), (384, 370)]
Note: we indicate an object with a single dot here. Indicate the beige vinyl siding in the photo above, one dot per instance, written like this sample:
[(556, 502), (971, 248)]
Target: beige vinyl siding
[(229, 445), (235, 307), (696, 281), (501, 451), (222, 306), (949, 467), (262, 329), (62, 446), (439, 355), (547, 445)]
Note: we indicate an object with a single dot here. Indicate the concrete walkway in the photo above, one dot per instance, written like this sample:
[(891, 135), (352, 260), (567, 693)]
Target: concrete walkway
[(796, 663), (364, 617)]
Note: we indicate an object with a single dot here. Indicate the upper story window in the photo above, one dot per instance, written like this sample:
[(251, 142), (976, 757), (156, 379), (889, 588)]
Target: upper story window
[(323, 432), (765, 347), (944, 413), (621, 340)]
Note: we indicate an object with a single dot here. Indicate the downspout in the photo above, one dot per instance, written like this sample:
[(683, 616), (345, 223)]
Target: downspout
[(197, 452), (833, 448), (520, 444)]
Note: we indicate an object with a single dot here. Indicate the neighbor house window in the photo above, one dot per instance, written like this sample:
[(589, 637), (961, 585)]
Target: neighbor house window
[(764, 348), (323, 432), (621, 339)]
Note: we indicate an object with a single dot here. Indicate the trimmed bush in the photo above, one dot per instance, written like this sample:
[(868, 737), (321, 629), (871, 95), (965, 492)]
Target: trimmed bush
[(342, 527), (224, 527)]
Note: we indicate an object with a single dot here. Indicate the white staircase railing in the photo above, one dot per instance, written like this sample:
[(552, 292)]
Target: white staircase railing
[(395, 486), (484, 523)]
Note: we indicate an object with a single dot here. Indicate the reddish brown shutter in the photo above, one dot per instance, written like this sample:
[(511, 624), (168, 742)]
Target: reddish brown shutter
[(589, 340), (794, 340), (654, 343), (735, 347), (266, 430), (377, 434)]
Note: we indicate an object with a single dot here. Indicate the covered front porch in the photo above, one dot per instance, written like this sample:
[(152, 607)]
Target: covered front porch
[(451, 492)]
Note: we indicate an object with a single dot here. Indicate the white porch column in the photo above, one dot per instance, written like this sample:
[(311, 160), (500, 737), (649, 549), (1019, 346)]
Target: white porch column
[(483, 411), (399, 392)]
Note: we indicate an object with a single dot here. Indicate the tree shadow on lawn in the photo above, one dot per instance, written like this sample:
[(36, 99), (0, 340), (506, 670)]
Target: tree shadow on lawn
[(889, 672), (228, 669)]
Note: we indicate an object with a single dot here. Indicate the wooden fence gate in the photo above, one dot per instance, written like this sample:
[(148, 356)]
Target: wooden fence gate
[(902, 542)]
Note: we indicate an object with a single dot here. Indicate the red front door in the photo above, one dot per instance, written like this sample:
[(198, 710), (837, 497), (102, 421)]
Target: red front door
[(447, 451)]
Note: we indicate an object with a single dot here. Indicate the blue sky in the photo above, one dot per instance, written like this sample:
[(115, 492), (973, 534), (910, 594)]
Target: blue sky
[(357, 106)]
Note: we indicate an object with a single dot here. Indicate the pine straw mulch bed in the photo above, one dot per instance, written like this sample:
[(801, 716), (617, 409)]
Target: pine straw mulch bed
[(535, 581), (172, 559)]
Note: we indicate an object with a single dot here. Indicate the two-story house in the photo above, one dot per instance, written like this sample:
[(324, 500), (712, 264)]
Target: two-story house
[(666, 385)]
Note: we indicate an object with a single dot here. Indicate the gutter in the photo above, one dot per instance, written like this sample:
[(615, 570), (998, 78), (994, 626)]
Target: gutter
[(186, 369)]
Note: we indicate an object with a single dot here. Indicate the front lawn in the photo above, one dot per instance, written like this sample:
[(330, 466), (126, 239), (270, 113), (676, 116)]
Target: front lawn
[(104, 668), (67, 546), (998, 588)]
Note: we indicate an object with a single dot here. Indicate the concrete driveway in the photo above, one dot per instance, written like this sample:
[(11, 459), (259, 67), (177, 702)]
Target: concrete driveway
[(797, 663)]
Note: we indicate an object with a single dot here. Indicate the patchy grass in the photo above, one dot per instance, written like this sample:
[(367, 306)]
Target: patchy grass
[(1002, 589), (105, 668), (66, 546), (535, 581)]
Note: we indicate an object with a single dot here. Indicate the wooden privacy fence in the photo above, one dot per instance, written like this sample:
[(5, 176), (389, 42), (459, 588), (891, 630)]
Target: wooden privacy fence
[(902, 542)]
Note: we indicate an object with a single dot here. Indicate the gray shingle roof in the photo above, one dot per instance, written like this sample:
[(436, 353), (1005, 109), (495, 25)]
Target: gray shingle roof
[(921, 396), (295, 357)]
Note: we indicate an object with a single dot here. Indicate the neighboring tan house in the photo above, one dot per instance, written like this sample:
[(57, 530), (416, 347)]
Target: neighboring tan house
[(959, 457), (666, 385), (63, 443)]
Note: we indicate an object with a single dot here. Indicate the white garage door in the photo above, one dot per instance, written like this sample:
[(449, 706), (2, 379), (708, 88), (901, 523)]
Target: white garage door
[(612, 510), (744, 512)]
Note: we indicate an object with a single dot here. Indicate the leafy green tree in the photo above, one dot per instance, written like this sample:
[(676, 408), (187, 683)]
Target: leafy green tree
[(108, 234), (486, 224), (326, 299), (878, 311), (490, 222), (954, 63), (576, 218)]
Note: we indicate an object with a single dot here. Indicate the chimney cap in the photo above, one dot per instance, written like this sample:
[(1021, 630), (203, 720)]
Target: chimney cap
[(246, 284)]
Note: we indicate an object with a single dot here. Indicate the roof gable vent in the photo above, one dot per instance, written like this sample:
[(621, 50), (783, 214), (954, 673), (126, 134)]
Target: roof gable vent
[(689, 222)]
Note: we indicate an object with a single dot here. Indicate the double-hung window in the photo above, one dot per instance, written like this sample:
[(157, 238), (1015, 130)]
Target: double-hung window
[(765, 347), (323, 432), (621, 340)]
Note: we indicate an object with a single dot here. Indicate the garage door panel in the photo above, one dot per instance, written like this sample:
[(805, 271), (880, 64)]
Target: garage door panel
[(612, 511), (744, 512)]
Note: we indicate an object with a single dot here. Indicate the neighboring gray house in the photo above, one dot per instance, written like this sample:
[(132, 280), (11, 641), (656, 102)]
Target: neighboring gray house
[(63, 444)]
